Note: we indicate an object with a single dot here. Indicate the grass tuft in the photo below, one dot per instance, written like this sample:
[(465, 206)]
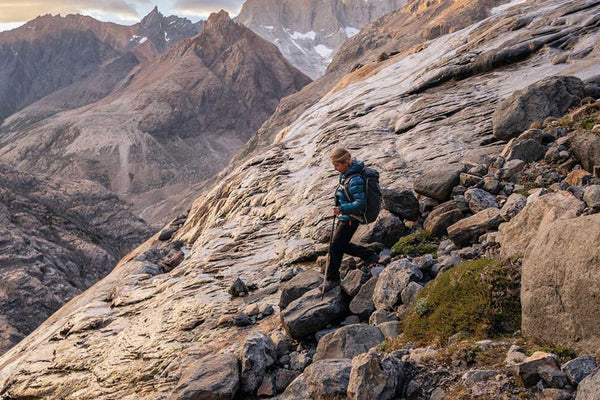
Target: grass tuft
[(480, 296), (415, 244)]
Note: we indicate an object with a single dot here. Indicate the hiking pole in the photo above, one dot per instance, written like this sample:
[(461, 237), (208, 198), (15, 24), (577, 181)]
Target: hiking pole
[(328, 257)]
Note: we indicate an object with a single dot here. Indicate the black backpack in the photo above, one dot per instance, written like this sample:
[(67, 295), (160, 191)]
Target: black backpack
[(372, 195)]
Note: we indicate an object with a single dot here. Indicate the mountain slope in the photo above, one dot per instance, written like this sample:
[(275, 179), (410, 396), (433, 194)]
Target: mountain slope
[(271, 210), (53, 52), (401, 32), (59, 238), (309, 33), (175, 124)]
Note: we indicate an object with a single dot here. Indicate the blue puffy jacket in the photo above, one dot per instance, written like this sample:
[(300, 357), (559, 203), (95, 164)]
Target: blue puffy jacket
[(356, 189)]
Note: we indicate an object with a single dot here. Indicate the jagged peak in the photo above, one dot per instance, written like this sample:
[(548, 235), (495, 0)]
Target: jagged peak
[(152, 15), (221, 16)]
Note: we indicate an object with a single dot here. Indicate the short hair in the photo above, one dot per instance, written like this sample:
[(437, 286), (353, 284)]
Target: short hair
[(340, 155)]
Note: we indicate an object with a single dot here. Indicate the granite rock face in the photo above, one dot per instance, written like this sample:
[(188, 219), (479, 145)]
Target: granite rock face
[(555, 296), (551, 97)]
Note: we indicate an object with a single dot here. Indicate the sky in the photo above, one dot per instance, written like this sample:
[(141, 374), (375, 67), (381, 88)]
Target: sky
[(14, 13)]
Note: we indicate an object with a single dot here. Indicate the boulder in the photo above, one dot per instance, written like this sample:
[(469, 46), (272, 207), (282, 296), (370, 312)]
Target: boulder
[(214, 377), (578, 177), (557, 298), (550, 97), (515, 355), (390, 329), (474, 376), (309, 314), (438, 184), (442, 216), (469, 180), (296, 390), (392, 281), (410, 292), (401, 202), (328, 379), (362, 304), (297, 286), (514, 236), (386, 229), (381, 316), (283, 378), (530, 371), (353, 281), (469, 229), (589, 388), (479, 200), (591, 196), (510, 169), (374, 376), (491, 185), (586, 147), (513, 205), (348, 342), (579, 368), (528, 150), (257, 355)]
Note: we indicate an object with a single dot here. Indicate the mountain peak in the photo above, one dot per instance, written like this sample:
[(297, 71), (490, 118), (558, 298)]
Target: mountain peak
[(218, 17), (152, 16)]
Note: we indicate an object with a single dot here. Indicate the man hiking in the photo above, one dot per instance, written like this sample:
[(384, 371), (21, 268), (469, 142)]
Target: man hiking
[(350, 203)]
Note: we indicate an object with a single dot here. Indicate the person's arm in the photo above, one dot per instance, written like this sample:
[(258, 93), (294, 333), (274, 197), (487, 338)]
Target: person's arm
[(356, 188)]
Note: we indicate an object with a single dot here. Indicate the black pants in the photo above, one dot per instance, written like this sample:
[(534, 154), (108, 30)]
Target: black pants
[(341, 244)]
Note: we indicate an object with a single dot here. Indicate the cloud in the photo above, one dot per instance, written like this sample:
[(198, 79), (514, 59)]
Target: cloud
[(205, 7), (25, 10)]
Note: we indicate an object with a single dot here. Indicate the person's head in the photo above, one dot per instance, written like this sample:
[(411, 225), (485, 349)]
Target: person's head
[(341, 160)]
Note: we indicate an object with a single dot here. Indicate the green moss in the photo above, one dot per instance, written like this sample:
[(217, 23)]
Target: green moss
[(480, 296), (523, 192), (415, 244)]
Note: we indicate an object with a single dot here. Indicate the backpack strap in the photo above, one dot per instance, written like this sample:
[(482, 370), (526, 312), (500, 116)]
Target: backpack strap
[(359, 218)]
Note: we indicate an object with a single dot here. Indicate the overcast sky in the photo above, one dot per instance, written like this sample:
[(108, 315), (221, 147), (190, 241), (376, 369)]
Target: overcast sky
[(16, 12)]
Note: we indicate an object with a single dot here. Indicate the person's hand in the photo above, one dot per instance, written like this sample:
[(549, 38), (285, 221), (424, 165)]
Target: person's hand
[(336, 211)]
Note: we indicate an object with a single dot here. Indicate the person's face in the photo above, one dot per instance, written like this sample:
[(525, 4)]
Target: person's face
[(341, 167)]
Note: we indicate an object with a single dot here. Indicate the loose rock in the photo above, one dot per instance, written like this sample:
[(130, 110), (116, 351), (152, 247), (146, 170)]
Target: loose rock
[(392, 281), (309, 314), (348, 342)]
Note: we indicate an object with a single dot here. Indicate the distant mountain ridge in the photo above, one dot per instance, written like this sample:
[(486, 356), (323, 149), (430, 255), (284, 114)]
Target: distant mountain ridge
[(51, 53), (308, 33), (174, 124)]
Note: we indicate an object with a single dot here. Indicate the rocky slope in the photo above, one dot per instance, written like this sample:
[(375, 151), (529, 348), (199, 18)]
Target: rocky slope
[(175, 124), (309, 33), (59, 238), (148, 332), (399, 33), (84, 57)]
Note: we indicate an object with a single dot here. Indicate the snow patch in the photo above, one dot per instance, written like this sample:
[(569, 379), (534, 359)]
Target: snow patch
[(324, 51), (504, 7), (351, 31), (308, 35)]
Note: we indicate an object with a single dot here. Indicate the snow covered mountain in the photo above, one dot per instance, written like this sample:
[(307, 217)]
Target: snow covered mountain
[(308, 33)]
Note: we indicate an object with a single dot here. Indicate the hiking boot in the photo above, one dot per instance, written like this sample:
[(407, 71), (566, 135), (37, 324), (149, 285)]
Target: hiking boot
[(329, 285)]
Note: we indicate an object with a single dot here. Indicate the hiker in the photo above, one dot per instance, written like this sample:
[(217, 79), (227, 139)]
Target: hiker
[(350, 202)]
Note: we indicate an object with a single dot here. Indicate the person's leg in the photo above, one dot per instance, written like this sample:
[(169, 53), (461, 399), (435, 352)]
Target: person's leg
[(339, 245), (366, 254)]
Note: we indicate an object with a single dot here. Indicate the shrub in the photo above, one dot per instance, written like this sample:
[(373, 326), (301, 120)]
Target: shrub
[(382, 57), (480, 296), (415, 244)]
